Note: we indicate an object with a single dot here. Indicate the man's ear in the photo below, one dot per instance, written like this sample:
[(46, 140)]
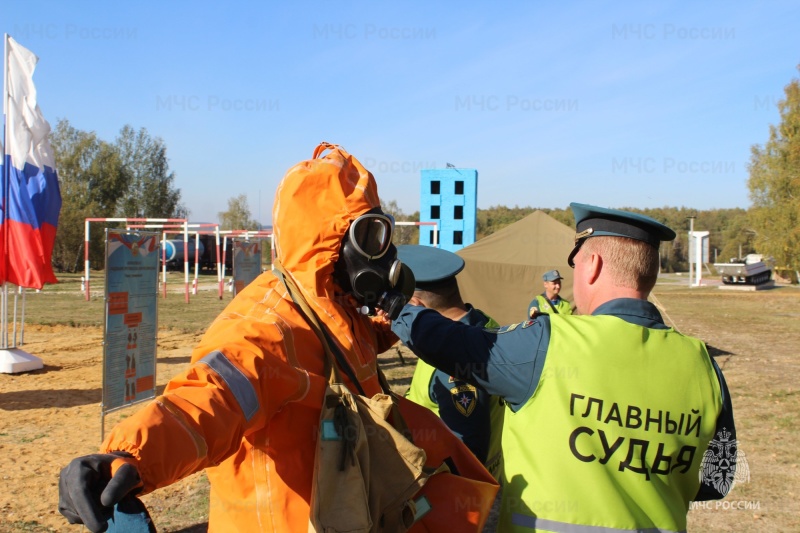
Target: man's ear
[(594, 268), (418, 299)]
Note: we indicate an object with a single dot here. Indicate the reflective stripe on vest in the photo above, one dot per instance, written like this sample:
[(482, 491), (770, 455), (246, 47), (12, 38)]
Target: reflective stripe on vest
[(237, 382), (563, 527)]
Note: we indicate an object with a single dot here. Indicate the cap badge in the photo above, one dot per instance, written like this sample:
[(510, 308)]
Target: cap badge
[(584, 233)]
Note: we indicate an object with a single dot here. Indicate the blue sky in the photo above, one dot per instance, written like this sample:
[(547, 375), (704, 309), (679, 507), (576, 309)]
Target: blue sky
[(642, 104)]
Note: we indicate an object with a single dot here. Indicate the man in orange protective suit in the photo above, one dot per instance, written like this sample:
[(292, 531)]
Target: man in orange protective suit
[(247, 409)]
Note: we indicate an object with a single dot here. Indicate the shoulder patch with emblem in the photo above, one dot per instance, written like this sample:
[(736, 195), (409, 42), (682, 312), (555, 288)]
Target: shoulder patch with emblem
[(465, 398)]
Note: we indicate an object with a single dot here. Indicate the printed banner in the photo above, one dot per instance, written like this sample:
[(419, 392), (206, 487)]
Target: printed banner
[(131, 321)]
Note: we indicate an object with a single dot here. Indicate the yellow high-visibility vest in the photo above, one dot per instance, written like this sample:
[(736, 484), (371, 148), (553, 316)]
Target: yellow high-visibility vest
[(614, 435)]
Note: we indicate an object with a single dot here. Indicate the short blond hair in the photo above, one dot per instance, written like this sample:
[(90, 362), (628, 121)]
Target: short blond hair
[(633, 264)]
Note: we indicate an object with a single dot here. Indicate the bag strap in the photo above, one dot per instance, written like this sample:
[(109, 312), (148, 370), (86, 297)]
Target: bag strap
[(332, 351), (334, 354), (318, 151)]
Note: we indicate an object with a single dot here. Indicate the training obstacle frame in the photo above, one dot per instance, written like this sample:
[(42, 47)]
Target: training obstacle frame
[(435, 225), (225, 234), (178, 229)]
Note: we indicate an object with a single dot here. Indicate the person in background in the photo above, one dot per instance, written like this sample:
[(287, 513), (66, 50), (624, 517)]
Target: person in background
[(617, 421), (549, 302), (469, 411)]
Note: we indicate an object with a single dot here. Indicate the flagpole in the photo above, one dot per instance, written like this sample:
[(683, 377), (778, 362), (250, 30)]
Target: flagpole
[(5, 191)]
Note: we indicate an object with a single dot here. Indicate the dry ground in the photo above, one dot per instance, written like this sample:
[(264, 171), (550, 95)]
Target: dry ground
[(51, 415)]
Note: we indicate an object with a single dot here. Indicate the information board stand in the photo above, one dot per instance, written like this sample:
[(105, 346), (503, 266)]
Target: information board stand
[(130, 328)]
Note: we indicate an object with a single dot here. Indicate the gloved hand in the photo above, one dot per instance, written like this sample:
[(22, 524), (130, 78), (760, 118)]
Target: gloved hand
[(89, 486)]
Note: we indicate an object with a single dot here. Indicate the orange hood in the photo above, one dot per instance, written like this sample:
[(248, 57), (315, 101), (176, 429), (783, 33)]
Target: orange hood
[(315, 204)]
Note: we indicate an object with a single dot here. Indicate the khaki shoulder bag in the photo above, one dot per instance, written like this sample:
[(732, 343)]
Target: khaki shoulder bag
[(366, 471)]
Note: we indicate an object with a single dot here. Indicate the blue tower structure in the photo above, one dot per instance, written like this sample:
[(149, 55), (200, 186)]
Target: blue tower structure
[(449, 197)]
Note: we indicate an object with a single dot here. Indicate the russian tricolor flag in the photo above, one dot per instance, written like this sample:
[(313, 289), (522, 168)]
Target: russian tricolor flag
[(31, 199)]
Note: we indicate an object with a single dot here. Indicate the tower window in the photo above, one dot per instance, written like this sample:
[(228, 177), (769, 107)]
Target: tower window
[(435, 187), (458, 212), (458, 237), (435, 212), (459, 187)]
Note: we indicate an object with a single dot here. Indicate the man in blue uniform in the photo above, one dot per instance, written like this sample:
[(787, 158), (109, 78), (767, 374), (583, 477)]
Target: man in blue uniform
[(468, 410), (611, 412), (550, 301)]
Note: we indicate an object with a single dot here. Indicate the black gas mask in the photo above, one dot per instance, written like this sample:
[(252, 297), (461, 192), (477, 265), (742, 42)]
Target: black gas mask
[(368, 266)]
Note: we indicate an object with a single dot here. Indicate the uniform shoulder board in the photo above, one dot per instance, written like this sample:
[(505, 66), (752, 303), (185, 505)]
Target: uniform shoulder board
[(506, 329)]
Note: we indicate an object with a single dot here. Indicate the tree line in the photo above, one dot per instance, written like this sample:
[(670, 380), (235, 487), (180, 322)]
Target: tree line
[(128, 177), (729, 238), (730, 234)]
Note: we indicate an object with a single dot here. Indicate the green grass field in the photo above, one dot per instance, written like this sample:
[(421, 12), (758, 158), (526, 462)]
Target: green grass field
[(65, 303)]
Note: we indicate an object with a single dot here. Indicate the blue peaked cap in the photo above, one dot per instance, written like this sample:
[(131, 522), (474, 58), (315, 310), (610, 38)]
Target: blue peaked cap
[(593, 221), (429, 265), (552, 275)]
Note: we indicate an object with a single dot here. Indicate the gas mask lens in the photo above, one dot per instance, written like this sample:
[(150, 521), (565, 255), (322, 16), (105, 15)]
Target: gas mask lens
[(371, 234)]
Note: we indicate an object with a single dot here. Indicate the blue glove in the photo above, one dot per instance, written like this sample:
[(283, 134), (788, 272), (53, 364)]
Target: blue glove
[(90, 486)]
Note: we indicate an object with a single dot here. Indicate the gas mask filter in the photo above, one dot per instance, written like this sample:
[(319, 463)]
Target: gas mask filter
[(377, 279)]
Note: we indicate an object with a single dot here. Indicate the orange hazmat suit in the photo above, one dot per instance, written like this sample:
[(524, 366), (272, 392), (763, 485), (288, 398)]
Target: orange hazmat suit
[(247, 409)]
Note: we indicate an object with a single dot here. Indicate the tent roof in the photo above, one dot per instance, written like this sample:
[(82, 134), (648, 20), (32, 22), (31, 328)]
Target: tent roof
[(503, 271)]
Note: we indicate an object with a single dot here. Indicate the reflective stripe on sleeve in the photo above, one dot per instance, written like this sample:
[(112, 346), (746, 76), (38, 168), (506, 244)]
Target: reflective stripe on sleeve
[(237, 382), (564, 527)]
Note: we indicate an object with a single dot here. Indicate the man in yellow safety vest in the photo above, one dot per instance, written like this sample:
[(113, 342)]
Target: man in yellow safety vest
[(611, 413)]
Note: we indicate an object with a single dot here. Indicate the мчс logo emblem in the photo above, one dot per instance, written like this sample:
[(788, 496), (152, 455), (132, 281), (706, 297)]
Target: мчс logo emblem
[(724, 464)]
